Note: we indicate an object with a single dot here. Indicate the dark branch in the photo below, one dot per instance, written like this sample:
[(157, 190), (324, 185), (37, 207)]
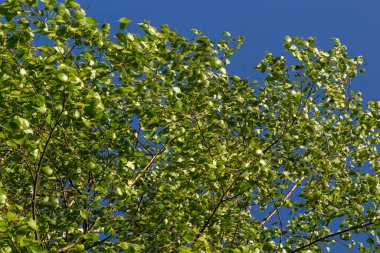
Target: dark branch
[(39, 166), (98, 242), (332, 235)]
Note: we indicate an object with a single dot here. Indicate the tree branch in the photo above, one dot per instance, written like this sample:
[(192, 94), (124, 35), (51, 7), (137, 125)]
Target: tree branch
[(213, 213), (39, 166), (333, 234), (13, 244), (222, 199), (280, 203), (79, 240), (202, 135), (133, 182), (98, 242)]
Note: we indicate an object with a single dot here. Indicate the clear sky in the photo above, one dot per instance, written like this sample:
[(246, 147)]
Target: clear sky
[(264, 24)]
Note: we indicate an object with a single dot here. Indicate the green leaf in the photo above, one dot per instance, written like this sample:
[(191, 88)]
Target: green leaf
[(359, 59), (3, 198), (124, 245), (91, 237), (86, 121), (47, 170), (84, 213), (33, 224), (79, 14), (226, 34), (123, 23), (62, 76), (176, 90)]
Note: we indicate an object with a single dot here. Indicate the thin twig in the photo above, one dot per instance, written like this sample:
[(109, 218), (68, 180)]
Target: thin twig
[(39, 166), (281, 231), (13, 244), (79, 240), (98, 242), (280, 203), (203, 137), (133, 182)]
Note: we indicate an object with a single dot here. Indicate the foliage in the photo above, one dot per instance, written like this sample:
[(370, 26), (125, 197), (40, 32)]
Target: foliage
[(144, 143)]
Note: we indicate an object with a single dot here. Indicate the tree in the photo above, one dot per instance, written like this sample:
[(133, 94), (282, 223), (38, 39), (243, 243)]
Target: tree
[(144, 143)]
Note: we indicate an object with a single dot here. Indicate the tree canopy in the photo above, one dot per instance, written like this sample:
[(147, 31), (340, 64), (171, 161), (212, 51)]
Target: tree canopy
[(145, 143)]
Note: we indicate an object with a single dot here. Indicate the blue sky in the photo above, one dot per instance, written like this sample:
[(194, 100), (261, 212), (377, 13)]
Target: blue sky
[(264, 24)]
